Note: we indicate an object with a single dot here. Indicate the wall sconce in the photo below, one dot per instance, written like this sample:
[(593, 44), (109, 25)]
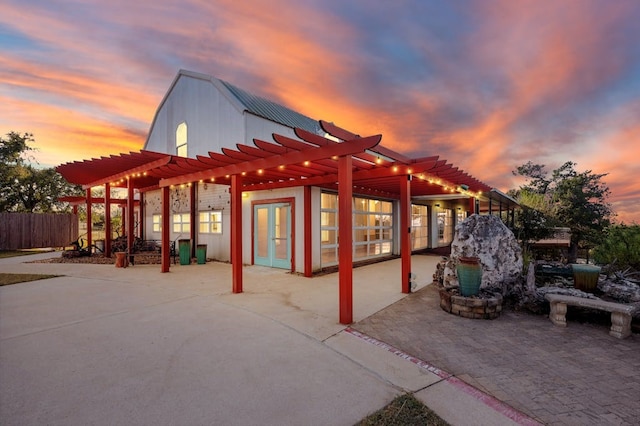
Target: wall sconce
[(437, 204)]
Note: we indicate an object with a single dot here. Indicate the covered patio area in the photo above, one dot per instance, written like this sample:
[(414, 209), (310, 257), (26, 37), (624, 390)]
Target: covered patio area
[(339, 160)]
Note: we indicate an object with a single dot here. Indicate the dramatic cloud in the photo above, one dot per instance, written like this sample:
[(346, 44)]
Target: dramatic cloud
[(488, 85)]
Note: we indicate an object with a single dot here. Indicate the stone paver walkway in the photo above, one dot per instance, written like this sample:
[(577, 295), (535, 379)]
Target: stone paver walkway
[(577, 375)]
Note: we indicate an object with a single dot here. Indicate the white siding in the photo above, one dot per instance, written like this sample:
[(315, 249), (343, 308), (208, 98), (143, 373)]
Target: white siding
[(212, 120), (216, 197), (260, 128)]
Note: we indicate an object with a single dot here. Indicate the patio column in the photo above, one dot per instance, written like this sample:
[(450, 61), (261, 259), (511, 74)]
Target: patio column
[(405, 231), (165, 239), (89, 230), (130, 219), (236, 233), (345, 238), (307, 232), (193, 217), (472, 205), (107, 220)]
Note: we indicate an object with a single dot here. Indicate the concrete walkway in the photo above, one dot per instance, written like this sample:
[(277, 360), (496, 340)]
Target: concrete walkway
[(103, 345)]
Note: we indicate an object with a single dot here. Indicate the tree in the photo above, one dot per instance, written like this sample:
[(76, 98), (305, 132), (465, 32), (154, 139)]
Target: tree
[(577, 200), (25, 187), (620, 247)]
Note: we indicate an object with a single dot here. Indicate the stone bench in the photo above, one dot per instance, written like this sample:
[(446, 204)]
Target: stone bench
[(620, 314)]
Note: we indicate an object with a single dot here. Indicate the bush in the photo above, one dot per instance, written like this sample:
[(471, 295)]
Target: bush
[(620, 247)]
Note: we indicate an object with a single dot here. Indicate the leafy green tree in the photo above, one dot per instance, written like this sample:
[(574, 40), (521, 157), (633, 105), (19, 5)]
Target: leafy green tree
[(620, 247), (25, 187), (577, 200)]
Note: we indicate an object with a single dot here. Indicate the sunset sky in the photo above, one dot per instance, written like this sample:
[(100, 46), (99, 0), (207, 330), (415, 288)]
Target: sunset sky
[(487, 85)]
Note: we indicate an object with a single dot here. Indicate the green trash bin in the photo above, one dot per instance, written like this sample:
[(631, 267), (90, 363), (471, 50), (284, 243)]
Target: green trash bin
[(184, 249), (201, 253)]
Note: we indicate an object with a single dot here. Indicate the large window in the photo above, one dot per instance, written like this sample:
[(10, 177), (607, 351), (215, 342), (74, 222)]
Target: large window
[(372, 224), (181, 140), (329, 229), (372, 228), (181, 222), (157, 222), (460, 216), (445, 226), (211, 222), (419, 227)]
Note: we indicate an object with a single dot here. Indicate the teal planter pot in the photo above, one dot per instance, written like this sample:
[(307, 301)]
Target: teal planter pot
[(469, 273), (585, 277)]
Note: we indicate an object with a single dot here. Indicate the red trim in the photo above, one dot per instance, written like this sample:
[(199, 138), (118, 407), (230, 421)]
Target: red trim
[(345, 236)]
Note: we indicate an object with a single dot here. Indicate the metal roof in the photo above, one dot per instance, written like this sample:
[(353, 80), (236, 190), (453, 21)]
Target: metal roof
[(272, 111)]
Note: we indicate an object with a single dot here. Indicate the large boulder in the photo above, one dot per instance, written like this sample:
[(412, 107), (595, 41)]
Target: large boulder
[(488, 239)]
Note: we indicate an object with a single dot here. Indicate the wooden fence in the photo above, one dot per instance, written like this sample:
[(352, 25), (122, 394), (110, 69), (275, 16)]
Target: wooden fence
[(37, 230)]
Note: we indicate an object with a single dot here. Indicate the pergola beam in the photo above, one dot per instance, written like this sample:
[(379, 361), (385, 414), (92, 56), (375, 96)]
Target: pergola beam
[(311, 154)]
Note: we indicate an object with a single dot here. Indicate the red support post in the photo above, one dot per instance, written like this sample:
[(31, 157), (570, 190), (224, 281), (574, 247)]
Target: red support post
[(107, 220), (345, 235), (130, 217), (165, 238), (89, 221), (405, 231), (236, 233), (193, 215), (472, 205), (307, 232)]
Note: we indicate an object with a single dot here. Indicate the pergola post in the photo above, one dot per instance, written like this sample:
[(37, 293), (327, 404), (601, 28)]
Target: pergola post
[(345, 237), (130, 218), (236, 233), (107, 220), (405, 231), (165, 250), (193, 217), (89, 221), (307, 232)]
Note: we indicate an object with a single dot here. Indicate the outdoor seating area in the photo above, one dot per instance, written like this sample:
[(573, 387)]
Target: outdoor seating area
[(621, 314)]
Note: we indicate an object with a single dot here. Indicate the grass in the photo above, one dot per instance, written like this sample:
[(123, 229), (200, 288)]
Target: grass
[(13, 253), (404, 410), (8, 279)]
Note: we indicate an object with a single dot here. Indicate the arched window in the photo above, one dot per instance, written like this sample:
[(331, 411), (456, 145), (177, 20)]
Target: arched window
[(181, 140)]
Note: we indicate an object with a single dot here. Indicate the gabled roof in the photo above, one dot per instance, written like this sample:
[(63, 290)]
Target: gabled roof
[(272, 111)]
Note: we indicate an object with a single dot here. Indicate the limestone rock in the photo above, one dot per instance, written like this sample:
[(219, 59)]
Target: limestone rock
[(487, 238)]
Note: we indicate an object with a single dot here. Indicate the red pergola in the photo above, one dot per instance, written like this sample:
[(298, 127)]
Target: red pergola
[(356, 164)]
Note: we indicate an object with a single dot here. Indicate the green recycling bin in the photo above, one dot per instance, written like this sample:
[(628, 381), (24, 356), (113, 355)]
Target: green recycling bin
[(184, 249), (201, 254)]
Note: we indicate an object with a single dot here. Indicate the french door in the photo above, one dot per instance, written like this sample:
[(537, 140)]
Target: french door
[(272, 235)]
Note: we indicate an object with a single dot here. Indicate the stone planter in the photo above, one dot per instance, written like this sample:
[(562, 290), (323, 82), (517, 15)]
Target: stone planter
[(471, 307), (469, 273)]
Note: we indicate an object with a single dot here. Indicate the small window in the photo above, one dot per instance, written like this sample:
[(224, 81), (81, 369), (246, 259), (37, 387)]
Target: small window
[(181, 222), (157, 223), (211, 222), (181, 140)]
